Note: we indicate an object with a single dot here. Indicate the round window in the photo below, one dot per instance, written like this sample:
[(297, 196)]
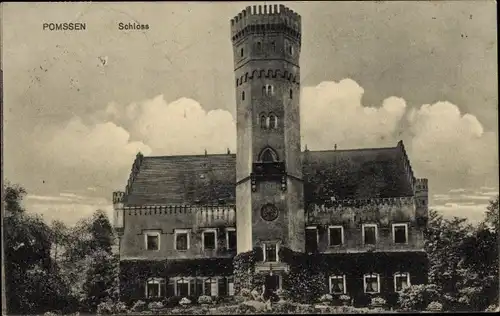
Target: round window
[(269, 212)]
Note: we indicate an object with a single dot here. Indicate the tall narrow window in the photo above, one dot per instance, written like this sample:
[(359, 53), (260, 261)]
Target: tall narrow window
[(371, 283), (291, 94), (263, 121), (401, 281), (243, 95), (209, 237), (369, 234), (311, 239), (400, 233), (336, 235), (210, 287), (259, 46), (241, 52), (153, 287), (270, 252), (273, 119), (231, 238), (230, 286), (264, 90), (337, 284), (182, 287), (273, 46), (182, 240), (152, 240)]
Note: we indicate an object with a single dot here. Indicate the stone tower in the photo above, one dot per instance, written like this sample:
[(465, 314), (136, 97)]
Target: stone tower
[(269, 188)]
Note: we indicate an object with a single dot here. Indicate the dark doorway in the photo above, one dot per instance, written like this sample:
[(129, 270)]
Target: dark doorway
[(272, 284)]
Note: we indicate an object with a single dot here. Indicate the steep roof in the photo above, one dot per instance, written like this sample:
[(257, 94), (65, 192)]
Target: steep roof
[(343, 174)]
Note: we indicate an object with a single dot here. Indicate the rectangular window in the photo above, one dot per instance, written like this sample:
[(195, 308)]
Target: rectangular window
[(182, 287), (270, 252), (371, 283), (152, 240), (153, 288), (209, 239), (336, 235), (210, 287), (311, 239), (231, 238), (401, 281), (369, 234), (337, 284), (182, 240), (222, 287), (400, 233)]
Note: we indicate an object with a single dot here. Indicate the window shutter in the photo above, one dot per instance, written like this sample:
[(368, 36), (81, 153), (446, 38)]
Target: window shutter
[(171, 287)]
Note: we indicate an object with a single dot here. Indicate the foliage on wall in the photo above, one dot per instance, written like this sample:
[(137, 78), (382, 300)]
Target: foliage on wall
[(244, 270)]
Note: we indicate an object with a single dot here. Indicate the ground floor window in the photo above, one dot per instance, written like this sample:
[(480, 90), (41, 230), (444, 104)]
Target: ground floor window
[(153, 287), (337, 284), (371, 283), (401, 281), (196, 286), (182, 287)]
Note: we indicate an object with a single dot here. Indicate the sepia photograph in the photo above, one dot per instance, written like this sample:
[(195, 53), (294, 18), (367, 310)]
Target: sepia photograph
[(222, 158)]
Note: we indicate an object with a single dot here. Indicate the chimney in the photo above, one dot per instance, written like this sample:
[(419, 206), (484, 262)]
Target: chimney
[(205, 152), (335, 147), (228, 152)]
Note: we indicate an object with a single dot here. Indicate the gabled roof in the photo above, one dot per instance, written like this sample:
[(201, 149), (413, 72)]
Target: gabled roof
[(205, 179)]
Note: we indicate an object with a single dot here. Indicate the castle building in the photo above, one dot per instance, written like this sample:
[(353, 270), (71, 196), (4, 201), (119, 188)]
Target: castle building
[(182, 219)]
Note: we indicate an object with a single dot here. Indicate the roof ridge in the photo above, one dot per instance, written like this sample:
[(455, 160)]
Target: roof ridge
[(351, 149), (179, 156)]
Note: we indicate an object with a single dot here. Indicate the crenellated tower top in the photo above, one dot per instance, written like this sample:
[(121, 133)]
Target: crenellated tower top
[(267, 18)]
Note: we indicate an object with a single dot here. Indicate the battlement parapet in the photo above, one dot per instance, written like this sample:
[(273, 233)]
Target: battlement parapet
[(118, 197), (421, 184), (334, 205), (174, 209), (269, 73), (265, 18)]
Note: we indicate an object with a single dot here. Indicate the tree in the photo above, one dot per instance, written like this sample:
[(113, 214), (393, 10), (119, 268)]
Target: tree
[(493, 214)]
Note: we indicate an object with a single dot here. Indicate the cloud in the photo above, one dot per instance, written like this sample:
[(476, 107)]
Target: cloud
[(332, 113), (178, 127)]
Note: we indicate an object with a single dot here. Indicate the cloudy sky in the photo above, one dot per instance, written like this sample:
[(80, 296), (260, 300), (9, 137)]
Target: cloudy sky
[(78, 106)]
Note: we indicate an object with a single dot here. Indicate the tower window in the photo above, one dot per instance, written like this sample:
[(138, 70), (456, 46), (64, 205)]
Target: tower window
[(268, 155), (291, 94), (241, 52), (290, 50), (268, 90), (273, 46), (243, 95), (270, 252), (259, 46), (273, 121), (263, 121)]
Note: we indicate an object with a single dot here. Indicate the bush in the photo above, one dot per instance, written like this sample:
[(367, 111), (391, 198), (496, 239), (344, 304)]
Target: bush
[(417, 297), (492, 308), (205, 299), (155, 305), (110, 307), (377, 302), (435, 307), (139, 306), (326, 298), (185, 301)]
